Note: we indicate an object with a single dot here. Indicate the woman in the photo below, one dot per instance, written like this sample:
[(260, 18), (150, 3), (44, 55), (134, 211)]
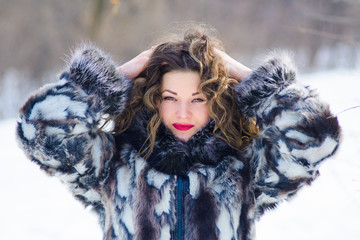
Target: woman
[(201, 145)]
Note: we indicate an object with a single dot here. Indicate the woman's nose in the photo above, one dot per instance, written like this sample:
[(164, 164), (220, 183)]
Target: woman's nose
[(184, 110)]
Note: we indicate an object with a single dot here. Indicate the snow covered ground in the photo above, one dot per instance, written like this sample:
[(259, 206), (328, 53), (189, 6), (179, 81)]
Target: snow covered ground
[(36, 207)]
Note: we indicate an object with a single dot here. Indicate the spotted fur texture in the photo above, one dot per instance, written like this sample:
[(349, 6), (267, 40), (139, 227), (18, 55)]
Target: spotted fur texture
[(201, 189), (96, 73)]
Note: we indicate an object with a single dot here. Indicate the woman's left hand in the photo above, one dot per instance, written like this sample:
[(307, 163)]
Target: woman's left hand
[(235, 69)]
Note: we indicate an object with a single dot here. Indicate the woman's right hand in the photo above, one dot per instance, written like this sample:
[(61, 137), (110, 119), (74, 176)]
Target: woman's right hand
[(135, 66)]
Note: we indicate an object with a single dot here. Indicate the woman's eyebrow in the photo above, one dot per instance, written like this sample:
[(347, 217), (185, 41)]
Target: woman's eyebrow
[(167, 90), (172, 92)]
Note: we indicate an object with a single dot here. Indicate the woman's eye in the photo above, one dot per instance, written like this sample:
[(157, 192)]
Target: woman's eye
[(198, 100), (169, 98)]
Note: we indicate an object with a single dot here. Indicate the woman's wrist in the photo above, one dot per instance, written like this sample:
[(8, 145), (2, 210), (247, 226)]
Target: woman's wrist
[(238, 70)]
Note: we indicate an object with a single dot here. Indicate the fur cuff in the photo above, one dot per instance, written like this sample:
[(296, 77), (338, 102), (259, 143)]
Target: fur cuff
[(276, 73), (96, 73)]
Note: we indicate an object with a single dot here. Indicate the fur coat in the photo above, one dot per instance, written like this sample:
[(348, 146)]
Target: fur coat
[(200, 189)]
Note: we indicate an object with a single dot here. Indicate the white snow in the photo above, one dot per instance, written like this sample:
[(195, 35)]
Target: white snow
[(37, 207)]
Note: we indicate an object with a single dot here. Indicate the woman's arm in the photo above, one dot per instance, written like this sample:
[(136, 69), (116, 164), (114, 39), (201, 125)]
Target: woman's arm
[(235, 69), (58, 127), (97, 74), (297, 131)]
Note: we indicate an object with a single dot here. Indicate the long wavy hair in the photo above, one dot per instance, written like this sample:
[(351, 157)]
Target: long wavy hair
[(193, 52)]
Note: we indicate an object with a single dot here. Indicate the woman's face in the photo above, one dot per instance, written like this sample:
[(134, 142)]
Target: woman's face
[(182, 108)]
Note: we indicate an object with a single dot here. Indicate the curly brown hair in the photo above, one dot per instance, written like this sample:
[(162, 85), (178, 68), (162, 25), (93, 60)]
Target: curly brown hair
[(193, 52)]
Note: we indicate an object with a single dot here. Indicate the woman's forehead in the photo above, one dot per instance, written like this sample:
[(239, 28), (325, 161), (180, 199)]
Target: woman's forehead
[(181, 81)]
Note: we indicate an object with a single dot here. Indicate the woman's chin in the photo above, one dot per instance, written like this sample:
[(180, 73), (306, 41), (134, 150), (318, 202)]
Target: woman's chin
[(183, 137)]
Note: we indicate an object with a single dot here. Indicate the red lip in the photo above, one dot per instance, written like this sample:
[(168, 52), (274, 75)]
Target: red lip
[(182, 127)]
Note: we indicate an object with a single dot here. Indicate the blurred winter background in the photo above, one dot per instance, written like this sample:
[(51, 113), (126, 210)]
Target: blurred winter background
[(324, 35)]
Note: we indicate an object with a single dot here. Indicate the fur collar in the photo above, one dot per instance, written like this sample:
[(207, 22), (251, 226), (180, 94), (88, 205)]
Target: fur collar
[(173, 156)]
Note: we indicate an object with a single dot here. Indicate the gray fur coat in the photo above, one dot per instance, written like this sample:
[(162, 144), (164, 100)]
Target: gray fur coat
[(201, 189)]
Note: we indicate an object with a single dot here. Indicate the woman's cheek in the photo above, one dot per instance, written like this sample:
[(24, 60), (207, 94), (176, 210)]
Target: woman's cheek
[(165, 112), (202, 113)]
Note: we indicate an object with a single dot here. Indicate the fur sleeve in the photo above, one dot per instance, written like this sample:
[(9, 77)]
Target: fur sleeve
[(297, 131), (96, 73), (58, 131)]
